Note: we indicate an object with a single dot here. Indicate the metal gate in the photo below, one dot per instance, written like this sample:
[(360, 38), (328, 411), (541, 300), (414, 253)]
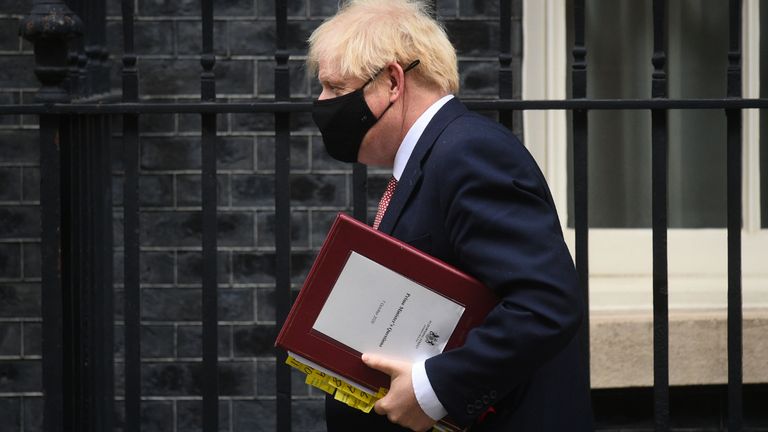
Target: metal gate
[(76, 205)]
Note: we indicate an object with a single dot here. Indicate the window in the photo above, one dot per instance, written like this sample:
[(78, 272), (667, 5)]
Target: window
[(619, 41), (619, 51)]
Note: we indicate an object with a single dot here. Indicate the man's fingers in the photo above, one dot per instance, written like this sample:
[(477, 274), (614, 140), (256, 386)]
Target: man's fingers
[(380, 363), (389, 367), (385, 408), (378, 407)]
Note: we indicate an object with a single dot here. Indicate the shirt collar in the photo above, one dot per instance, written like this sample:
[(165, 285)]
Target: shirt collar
[(413, 135)]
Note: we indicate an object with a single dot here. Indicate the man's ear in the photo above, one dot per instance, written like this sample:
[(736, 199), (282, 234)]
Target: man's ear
[(396, 81)]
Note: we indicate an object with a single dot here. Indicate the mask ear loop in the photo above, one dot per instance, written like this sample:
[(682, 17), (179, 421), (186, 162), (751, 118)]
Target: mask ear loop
[(410, 66)]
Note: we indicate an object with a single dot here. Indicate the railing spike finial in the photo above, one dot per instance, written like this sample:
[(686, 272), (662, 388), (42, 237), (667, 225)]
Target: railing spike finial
[(49, 26)]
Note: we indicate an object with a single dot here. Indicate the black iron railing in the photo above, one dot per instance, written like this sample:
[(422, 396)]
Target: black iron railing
[(660, 187), (76, 203)]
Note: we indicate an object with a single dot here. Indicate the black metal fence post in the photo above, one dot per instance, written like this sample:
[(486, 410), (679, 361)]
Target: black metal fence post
[(282, 213), (359, 192), (510, 54), (659, 191), (76, 216), (76, 238), (131, 241), (505, 59), (49, 27), (734, 205), (580, 169), (209, 219)]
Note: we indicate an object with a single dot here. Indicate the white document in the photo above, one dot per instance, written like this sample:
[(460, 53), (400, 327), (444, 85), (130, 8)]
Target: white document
[(373, 309)]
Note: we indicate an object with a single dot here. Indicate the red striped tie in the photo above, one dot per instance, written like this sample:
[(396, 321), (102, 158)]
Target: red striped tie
[(384, 202)]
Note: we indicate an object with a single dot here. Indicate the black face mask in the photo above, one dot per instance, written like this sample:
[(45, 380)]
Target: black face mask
[(344, 120)]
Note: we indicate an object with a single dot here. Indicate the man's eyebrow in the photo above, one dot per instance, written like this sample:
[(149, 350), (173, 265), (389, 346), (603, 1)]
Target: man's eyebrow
[(331, 80)]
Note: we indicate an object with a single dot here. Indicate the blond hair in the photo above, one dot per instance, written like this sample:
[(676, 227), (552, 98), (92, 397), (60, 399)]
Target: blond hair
[(365, 35)]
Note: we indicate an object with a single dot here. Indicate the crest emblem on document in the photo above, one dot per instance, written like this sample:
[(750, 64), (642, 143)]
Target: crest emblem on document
[(432, 338)]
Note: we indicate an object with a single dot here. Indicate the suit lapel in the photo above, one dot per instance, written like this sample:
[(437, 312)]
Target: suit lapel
[(412, 173)]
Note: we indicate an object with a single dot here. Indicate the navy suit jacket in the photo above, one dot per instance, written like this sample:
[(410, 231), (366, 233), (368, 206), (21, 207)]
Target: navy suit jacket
[(472, 196)]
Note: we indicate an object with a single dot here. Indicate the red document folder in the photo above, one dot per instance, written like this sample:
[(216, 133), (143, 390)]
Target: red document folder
[(348, 236)]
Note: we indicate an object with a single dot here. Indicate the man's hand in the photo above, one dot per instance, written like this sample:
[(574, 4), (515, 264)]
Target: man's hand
[(400, 404)]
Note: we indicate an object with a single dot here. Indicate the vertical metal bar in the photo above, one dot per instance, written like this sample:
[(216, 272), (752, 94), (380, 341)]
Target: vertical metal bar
[(105, 349), (95, 46), (282, 213), (87, 288), (52, 301), (103, 72), (517, 55), (659, 191), (360, 192), (89, 45), (132, 289), (734, 186), (83, 63), (74, 294), (70, 185), (93, 227), (580, 170), (505, 59), (209, 195), (79, 292), (75, 48)]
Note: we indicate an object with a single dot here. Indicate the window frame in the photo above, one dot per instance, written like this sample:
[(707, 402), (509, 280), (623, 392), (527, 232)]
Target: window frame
[(621, 260)]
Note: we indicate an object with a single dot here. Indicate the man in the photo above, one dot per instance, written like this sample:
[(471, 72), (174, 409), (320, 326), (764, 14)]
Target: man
[(467, 192)]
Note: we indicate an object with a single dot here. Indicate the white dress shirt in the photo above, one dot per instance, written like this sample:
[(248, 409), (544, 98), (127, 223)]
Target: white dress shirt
[(421, 385)]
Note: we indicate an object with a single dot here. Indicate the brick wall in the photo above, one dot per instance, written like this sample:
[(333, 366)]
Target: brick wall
[(168, 40), (20, 325)]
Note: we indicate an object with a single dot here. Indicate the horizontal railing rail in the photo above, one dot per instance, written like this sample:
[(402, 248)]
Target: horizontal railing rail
[(271, 107)]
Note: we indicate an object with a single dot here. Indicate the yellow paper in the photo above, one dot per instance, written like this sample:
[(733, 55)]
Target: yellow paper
[(342, 391), (290, 361), (321, 383), (353, 401)]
